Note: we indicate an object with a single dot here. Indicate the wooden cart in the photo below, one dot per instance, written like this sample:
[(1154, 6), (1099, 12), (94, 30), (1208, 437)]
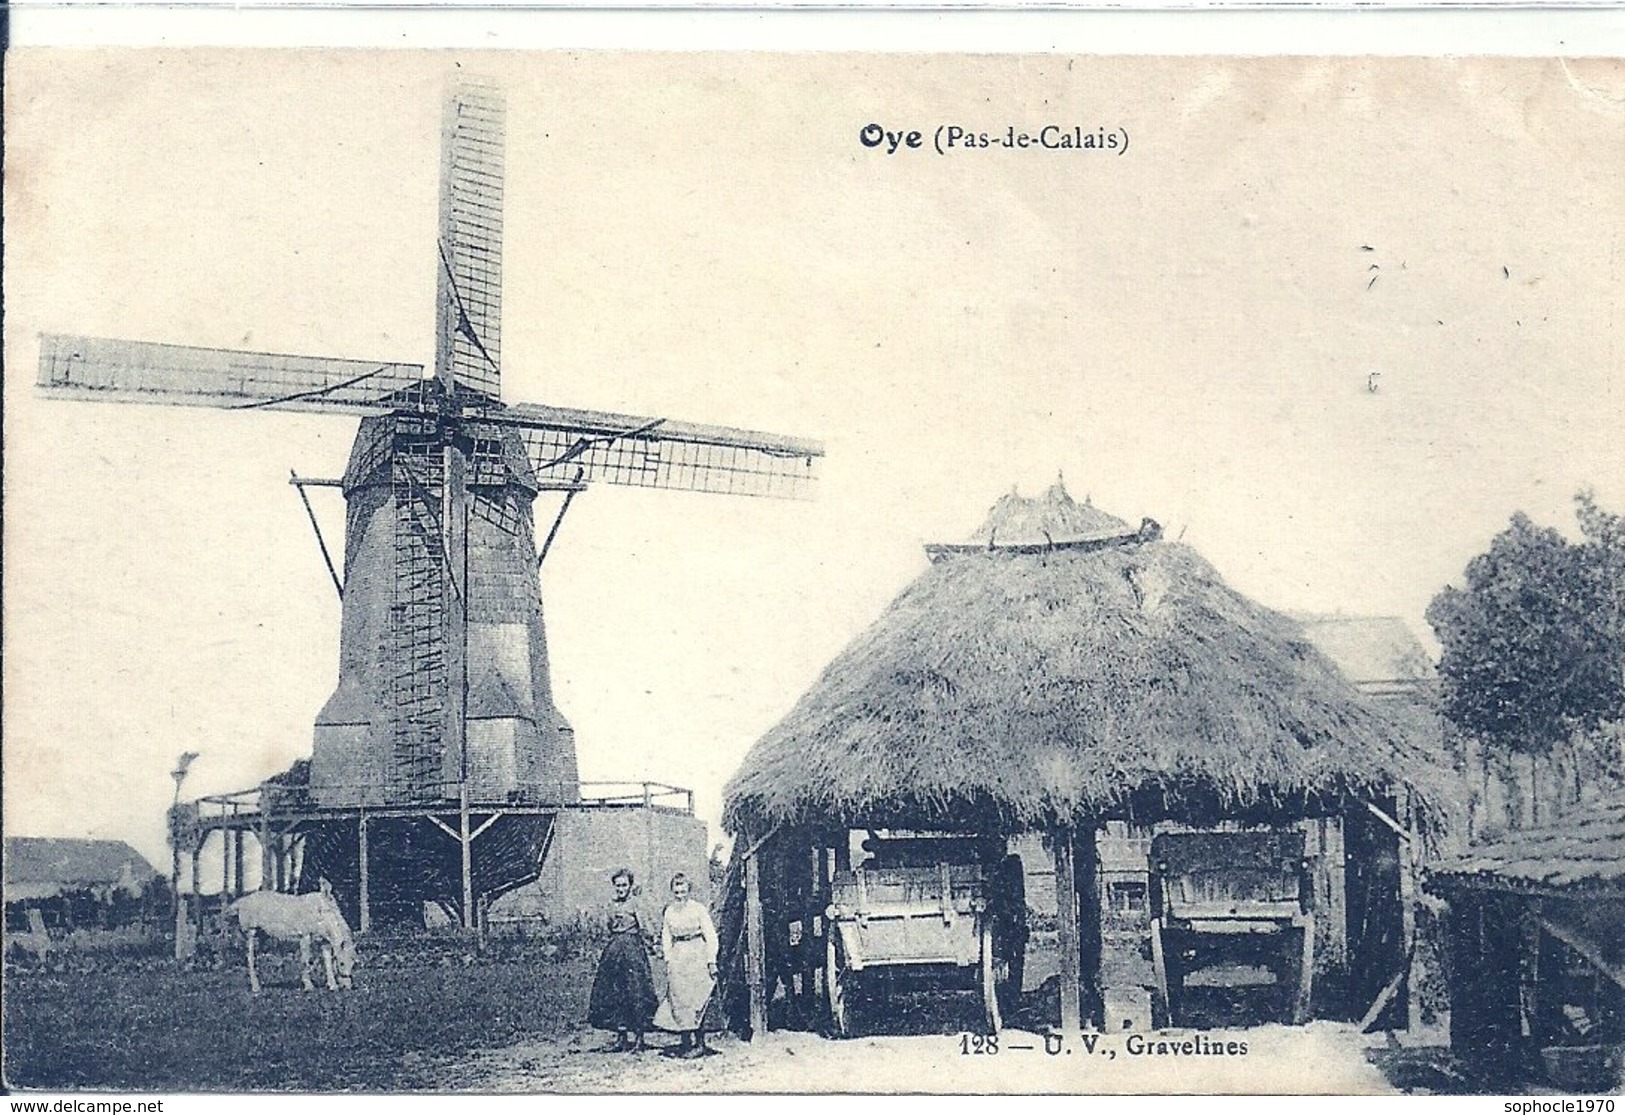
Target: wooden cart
[(1236, 904), (957, 924)]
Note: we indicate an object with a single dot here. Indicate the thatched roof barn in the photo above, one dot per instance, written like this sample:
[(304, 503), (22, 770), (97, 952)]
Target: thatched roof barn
[(1062, 670), (1071, 668)]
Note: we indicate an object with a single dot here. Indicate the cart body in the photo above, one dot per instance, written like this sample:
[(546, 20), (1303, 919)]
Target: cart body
[(954, 924), (1231, 910)]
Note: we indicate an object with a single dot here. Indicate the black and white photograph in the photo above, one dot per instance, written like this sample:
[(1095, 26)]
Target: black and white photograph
[(619, 572)]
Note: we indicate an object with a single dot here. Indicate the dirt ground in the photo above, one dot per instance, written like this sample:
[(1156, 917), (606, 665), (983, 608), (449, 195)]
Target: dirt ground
[(1322, 1058), (434, 1020)]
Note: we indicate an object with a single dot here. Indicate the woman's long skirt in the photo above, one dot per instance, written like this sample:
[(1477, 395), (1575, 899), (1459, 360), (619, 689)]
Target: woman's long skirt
[(688, 986), (623, 991)]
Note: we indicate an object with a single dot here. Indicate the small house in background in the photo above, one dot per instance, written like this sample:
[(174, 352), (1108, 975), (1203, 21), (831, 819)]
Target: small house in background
[(1537, 945), (73, 883)]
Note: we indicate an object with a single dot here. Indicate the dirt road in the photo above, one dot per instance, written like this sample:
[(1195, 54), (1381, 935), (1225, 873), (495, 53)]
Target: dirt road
[(1322, 1058)]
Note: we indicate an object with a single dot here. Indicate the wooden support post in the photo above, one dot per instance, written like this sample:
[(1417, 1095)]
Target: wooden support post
[(1086, 876), (454, 506), (1066, 901), (1303, 994), (237, 874), (755, 945), (1490, 1010), (466, 842), (843, 849), (364, 888), (281, 854), (197, 888), (1410, 866), (180, 903), (267, 858), (1337, 910), (1159, 967)]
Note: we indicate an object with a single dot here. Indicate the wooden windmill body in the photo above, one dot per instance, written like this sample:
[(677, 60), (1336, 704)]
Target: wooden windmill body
[(444, 701)]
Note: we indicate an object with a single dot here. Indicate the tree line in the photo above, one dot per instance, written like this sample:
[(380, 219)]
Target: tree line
[(1532, 671)]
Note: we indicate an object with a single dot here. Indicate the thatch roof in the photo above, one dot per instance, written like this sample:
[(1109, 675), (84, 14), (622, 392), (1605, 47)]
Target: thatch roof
[(1583, 851), (1021, 689)]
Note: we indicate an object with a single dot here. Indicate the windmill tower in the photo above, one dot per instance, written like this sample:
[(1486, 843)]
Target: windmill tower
[(442, 721)]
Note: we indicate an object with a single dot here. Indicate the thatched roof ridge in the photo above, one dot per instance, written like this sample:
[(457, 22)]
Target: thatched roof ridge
[(1026, 689), (1049, 518)]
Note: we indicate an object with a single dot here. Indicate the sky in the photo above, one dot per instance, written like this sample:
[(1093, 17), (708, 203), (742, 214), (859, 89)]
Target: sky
[(1188, 331)]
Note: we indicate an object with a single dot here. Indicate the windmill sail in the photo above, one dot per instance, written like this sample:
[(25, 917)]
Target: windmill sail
[(565, 444), (468, 343), (108, 370)]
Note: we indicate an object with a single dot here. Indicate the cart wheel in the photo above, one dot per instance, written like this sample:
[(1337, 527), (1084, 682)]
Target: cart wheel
[(835, 985), (990, 988)]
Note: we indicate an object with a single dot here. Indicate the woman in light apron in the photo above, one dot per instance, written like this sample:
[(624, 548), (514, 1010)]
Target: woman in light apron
[(689, 942)]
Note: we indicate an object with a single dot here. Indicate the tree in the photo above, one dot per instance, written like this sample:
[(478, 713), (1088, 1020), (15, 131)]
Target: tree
[(1534, 645)]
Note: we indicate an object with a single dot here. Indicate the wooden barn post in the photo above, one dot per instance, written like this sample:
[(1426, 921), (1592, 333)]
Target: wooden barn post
[(1066, 903), (237, 874), (755, 942), (364, 889), (1086, 886)]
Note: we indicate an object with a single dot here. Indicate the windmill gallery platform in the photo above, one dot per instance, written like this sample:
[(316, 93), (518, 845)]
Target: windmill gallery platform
[(532, 856)]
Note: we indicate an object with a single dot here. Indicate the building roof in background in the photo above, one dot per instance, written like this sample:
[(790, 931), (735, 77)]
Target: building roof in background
[(1379, 654), (39, 865), (1584, 850)]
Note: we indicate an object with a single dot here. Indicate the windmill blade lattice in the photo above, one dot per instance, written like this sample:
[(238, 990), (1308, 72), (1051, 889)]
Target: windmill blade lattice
[(468, 352), (104, 369), (654, 453)]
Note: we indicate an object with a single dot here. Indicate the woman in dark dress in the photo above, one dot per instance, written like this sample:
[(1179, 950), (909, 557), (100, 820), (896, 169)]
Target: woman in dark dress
[(623, 992)]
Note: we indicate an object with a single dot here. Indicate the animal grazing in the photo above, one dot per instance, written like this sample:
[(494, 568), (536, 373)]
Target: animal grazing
[(299, 917)]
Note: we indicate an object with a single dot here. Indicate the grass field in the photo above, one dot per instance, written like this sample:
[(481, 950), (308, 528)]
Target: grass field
[(166, 1030)]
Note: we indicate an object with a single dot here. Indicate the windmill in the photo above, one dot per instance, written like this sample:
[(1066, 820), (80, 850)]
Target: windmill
[(443, 713)]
